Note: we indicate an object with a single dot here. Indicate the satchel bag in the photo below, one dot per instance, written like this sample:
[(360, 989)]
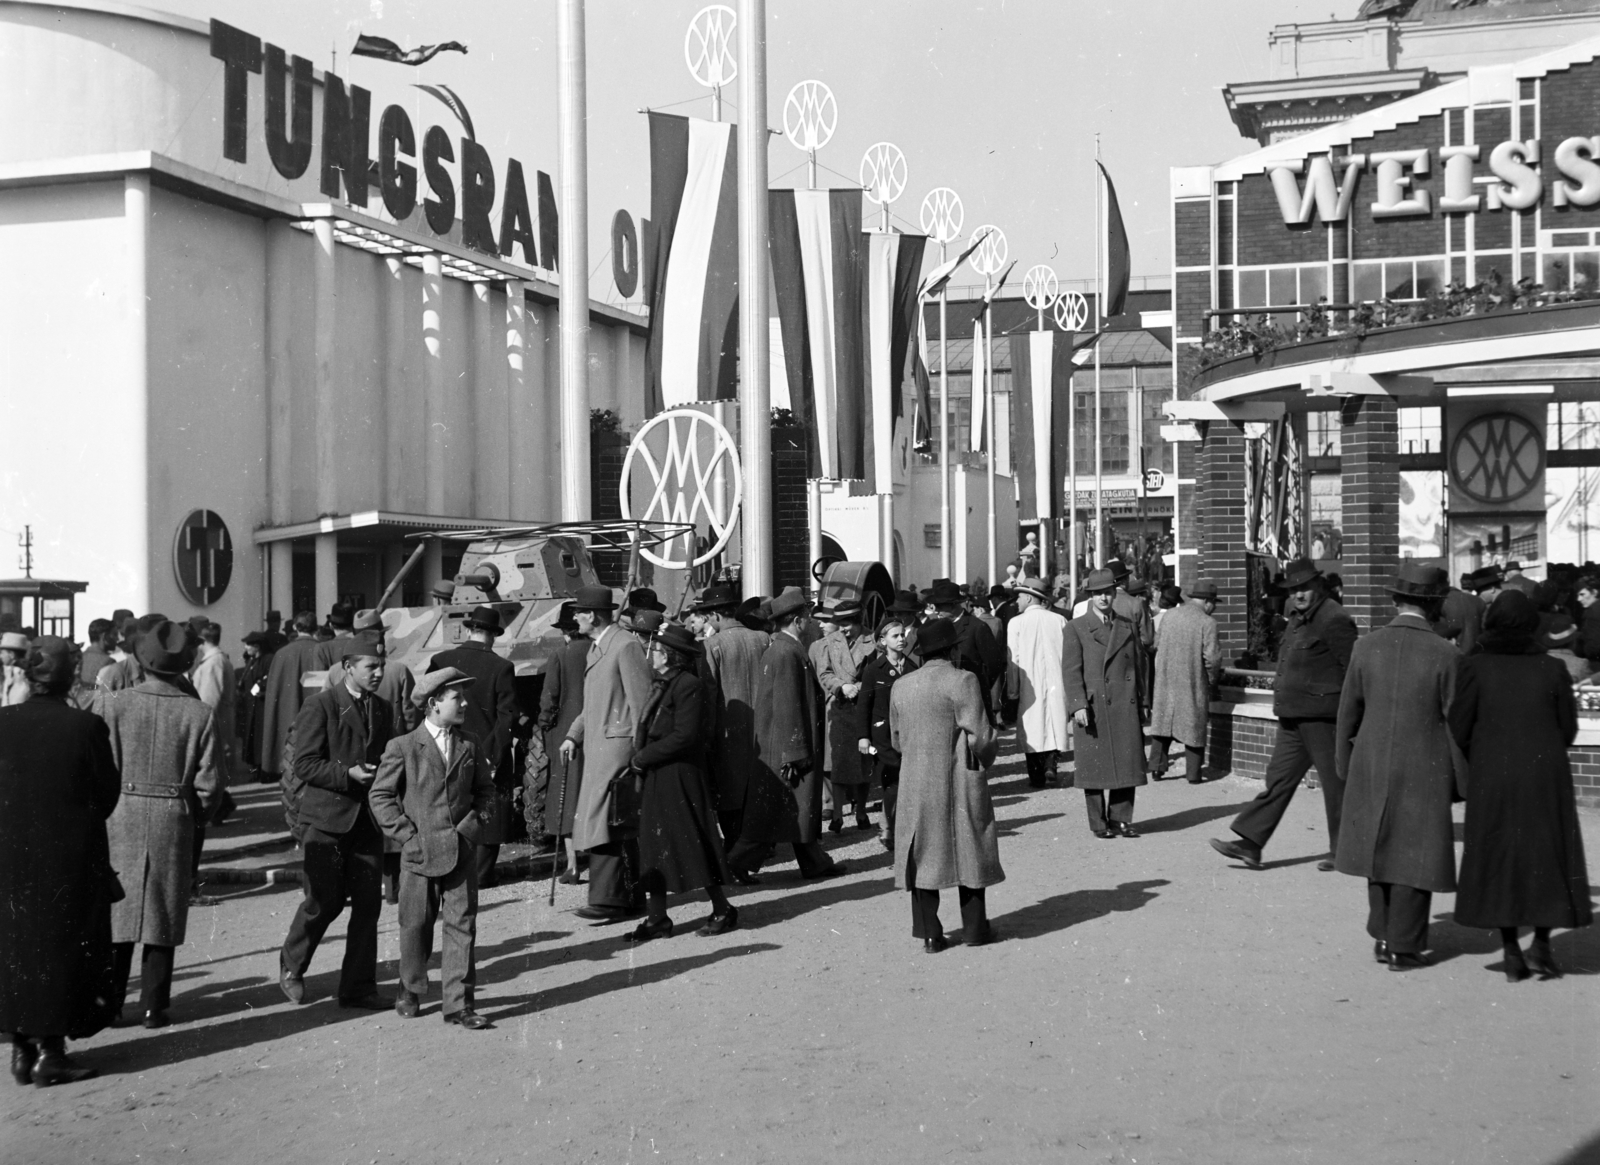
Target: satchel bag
[(622, 805)]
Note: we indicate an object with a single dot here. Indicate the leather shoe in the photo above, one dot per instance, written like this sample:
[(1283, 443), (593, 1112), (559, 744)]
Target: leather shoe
[(1380, 952), (570, 878), (720, 923), (649, 929), (293, 986), (1542, 962), (744, 877), (932, 946), (371, 1001), (1128, 831), (156, 1018), (1406, 961), (406, 1005), (56, 1067), (605, 913), (836, 825), (833, 871), (1106, 833), (1325, 866), (468, 1019), (23, 1055), (1232, 849), (987, 936)]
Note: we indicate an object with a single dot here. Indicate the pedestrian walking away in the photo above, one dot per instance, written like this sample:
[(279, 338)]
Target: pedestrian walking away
[(1187, 666), (561, 703)]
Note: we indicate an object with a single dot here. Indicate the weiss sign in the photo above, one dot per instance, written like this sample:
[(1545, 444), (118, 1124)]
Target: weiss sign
[(1517, 183)]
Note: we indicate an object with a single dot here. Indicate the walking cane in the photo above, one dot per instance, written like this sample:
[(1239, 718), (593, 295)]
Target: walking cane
[(561, 813)]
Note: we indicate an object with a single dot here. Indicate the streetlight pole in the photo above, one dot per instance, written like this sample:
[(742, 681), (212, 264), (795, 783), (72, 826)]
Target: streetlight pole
[(755, 407), (572, 120)]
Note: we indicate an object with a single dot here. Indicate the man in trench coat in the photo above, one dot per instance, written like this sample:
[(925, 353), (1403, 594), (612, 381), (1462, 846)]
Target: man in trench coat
[(1400, 768), (1036, 642), (1187, 664), (1106, 685), (945, 832), (616, 685)]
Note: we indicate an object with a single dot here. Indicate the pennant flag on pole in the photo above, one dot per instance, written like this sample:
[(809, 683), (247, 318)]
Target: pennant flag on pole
[(940, 275), (922, 429), (894, 262), (694, 300), (1117, 261), (819, 270), (1041, 376), (975, 433)]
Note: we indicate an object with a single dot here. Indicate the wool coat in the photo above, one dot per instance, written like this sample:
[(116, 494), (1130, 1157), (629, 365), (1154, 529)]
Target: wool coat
[(680, 847), (561, 703), (730, 673), (978, 652), (789, 732), (944, 819), (214, 682), (251, 707), (1394, 751), (58, 784), (878, 679), (838, 662), (394, 689), (164, 744), (1036, 643), (1188, 662), (331, 736), (423, 806), (1514, 718), (1312, 659), (283, 696), (1105, 673), (616, 685), (1460, 619)]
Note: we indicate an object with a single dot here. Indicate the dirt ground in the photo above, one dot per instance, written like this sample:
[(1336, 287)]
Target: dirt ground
[(1150, 1003)]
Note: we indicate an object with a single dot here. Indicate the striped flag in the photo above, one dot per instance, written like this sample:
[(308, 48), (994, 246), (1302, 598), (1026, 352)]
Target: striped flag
[(1041, 376), (694, 288), (979, 392), (894, 263), (819, 262), (922, 431)]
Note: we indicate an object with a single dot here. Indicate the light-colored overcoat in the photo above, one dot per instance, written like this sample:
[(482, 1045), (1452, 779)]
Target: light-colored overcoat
[(1398, 760), (616, 685), (164, 742), (838, 662), (730, 674), (1036, 643), (1188, 658), (944, 821), (1105, 674), (423, 807)]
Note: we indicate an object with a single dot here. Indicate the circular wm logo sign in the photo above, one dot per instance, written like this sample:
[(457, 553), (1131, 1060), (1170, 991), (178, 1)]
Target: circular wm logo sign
[(1497, 458)]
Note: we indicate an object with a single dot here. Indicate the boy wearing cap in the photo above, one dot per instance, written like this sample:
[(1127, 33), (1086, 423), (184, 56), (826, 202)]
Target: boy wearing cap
[(432, 796)]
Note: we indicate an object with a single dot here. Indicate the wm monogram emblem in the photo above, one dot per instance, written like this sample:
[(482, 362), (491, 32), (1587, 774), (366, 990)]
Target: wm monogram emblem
[(1497, 458)]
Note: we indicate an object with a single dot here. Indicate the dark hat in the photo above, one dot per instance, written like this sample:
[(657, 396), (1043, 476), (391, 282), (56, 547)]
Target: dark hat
[(367, 643), (258, 639), (197, 624), (1138, 587), (594, 599), (680, 638), (1204, 589), (49, 661), (716, 598), (564, 619), (167, 649), (1100, 580), (121, 615), (1300, 573), (791, 600), (999, 594), (436, 681), (342, 615), (274, 617), (484, 618), (847, 611), (1484, 577), (1418, 581), (905, 603), (1513, 564), (644, 599), (1119, 569), (936, 635), (1512, 615), (648, 621), (942, 593)]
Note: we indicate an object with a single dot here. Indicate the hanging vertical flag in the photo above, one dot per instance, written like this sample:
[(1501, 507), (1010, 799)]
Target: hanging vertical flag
[(975, 432), (894, 263), (1117, 260), (1041, 375), (694, 290), (922, 427), (819, 260)]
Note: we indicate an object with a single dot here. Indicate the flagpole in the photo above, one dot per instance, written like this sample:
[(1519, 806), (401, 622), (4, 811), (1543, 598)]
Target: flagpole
[(719, 408), (755, 412), (944, 426), (988, 412), (1072, 489), (1099, 319), (572, 121), (813, 484)]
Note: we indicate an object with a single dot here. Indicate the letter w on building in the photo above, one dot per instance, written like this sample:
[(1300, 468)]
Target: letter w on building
[(1331, 199)]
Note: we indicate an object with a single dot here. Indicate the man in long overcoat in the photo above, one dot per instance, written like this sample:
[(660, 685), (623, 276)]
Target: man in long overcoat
[(838, 658), (164, 743), (251, 702), (560, 703), (977, 650), (945, 832), (789, 733), (491, 714), (1188, 663), (616, 686), (1399, 764), (1312, 659), (283, 696), (1036, 642), (58, 784), (1106, 686), (749, 804)]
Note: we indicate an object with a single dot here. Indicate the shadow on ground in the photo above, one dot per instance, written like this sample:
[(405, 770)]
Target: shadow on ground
[(1078, 906)]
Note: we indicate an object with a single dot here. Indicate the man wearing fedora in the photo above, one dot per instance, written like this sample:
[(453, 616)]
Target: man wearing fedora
[(1396, 760), (616, 686), (164, 743), (1187, 666), (1312, 659), (1106, 685), (1036, 643), (339, 738), (976, 648), (789, 731), (432, 797), (838, 657), (491, 715)]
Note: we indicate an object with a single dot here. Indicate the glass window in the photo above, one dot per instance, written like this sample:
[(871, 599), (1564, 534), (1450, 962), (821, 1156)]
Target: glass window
[(1113, 429), (1157, 452), (1420, 430), (1586, 271), (1252, 288), (1367, 281), (1399, 280), (1433, 276), (1322, 434), (1313, 284), (1574, 425), (1281, 287)]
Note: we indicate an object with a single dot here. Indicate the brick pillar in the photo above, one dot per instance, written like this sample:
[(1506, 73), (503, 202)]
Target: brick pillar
[(1369, 465), (1219, 484)]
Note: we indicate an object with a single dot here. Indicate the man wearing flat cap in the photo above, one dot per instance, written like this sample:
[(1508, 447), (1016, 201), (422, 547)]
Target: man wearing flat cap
[(432, 797), (1312, 659), (491, 713), (1187, 665), (164, 743), (339, 738), (838, 657), (1397, 762), (1106, 684)]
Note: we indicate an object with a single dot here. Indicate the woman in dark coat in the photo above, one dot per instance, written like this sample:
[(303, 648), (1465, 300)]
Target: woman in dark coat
[(680, 847), (1514, 717), (560, 703), (58, 784)]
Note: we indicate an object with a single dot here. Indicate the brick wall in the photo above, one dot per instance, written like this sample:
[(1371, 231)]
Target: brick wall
[(1219, 480), (1586, 775), (1370, 498), (1240, 745), (607, 452), (790, 528)]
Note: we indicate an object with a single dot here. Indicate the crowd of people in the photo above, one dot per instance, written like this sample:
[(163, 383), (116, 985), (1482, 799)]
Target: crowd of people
[(670, 756)]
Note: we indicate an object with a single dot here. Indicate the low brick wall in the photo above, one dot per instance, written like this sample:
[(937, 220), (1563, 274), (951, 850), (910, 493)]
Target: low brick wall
[(1586, 774)]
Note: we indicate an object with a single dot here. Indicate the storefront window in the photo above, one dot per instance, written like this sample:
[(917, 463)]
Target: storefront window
[(1398, 279), (1155, 391), (1283, 286), (1114, 428)]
